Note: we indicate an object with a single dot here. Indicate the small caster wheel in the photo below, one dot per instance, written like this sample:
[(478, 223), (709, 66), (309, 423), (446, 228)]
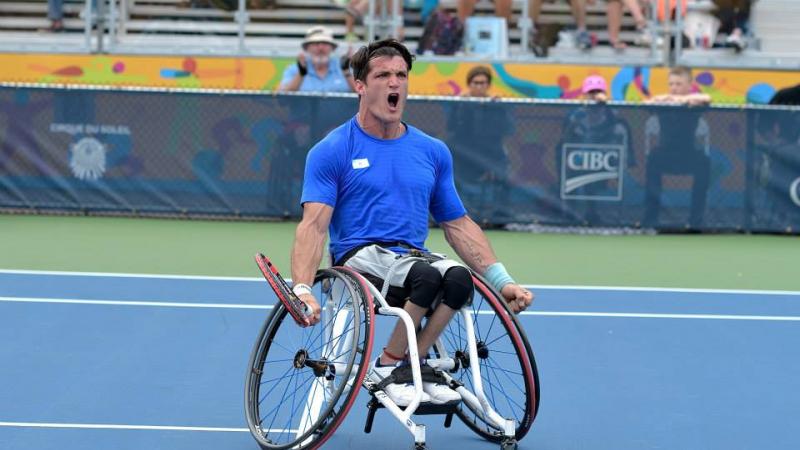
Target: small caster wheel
[(509, 444), (419, 446)]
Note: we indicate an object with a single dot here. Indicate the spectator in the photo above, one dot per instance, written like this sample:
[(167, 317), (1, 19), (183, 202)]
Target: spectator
[(480, 160), (479, 81), (55, 12), (734, 16), (317, 70), (593, 123), (541, 41), (465, 8), (787, 96), (677, 142), (777, 158), (354, 12), (286, 160), (614, 14)]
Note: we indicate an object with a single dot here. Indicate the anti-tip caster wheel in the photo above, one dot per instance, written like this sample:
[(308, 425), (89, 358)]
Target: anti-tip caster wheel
[(509, 444), (419, 446)]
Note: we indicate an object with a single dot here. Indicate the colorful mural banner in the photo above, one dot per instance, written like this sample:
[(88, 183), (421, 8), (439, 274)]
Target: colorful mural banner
[(514, 80)]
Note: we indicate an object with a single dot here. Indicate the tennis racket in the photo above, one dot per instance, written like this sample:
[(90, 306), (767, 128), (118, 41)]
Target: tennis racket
[(295, 306)]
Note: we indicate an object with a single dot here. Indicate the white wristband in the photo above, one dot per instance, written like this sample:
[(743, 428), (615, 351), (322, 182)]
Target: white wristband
[(301, 289)]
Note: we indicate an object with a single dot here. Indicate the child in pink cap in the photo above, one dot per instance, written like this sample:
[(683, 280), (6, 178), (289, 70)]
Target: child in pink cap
[(594, 88)]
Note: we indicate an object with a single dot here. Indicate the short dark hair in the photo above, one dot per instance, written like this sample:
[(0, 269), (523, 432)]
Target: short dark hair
[(681, 71), (386, 47), (479, 70)]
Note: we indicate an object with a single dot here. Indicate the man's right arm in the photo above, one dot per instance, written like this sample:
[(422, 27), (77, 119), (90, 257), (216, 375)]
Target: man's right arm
[(292, 76), (309, 245)]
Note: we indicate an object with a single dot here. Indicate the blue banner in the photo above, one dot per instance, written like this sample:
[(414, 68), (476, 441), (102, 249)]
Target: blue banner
[(242, 155)]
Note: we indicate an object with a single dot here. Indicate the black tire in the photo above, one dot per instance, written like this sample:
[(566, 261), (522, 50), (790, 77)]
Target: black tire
[(507, 362), (290, 365)]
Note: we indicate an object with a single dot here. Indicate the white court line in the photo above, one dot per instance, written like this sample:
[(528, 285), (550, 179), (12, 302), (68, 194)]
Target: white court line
[(524, 313), (658, 316), (78, 301), (126, 275), (530, 286), (663, 289), (97, 426)]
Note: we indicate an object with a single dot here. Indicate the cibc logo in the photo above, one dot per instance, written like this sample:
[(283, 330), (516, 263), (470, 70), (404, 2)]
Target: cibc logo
[(794, 191), (592, 171)]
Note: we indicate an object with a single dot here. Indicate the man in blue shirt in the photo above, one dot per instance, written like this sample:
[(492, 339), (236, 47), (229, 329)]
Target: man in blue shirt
[(372, 183), (317, 69)]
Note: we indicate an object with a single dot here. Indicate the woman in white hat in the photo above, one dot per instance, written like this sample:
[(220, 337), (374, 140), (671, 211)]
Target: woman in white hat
[(317, 68)]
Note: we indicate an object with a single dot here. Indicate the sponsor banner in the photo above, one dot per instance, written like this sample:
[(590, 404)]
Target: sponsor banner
[(592, 171), (243, 155)]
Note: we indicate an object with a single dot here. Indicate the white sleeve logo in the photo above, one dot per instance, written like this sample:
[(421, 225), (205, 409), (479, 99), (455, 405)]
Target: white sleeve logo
[(362, 163)]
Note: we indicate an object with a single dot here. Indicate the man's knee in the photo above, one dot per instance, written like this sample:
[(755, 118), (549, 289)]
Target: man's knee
[(457, 287), (424, 281)]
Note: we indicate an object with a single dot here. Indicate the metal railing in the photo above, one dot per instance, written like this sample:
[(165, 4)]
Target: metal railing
[(107, 27)]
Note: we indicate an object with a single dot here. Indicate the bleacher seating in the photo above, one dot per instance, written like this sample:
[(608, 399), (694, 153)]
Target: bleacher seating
[(172, 27), (167, 26)]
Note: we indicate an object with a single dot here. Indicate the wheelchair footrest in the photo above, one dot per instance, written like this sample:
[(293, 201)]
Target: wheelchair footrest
[(423, 409)]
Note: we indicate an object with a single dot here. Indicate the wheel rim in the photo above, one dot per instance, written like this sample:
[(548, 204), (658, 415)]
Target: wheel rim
[(508, 370), (303, 379)]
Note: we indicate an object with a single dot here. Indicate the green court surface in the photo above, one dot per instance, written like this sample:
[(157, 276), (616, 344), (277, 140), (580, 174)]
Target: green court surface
[(220, 248)]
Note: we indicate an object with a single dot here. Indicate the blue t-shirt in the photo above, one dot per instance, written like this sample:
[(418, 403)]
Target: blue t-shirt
[(334, 80), (381, 189)]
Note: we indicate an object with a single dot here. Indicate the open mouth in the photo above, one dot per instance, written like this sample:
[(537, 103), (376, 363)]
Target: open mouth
[(393, 99)]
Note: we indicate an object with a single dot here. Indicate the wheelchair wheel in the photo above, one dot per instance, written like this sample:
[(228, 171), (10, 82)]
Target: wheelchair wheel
[(508, 369), (301, 382)]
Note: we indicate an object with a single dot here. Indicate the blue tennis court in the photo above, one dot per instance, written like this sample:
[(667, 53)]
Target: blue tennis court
[(93, 361)]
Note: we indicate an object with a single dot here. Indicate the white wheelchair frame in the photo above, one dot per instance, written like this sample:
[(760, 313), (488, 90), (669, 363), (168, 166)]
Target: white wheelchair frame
[(337, 341), (477, 402)]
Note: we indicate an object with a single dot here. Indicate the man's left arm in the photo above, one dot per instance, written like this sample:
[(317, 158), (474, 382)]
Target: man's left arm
[(471, 244)]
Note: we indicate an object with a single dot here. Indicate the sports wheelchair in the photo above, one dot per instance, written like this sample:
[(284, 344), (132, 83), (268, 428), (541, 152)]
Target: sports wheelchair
[(302, 380)]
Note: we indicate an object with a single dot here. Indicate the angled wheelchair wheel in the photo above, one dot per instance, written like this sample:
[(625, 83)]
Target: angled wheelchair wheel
[(507, 366), (301, 382)]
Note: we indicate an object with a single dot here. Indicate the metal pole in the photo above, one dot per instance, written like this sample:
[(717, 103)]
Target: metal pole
[(241, 19), (397, 18), (667, 24), (112, 23), (370, 21), (384, 26), (524, 24), (124, 15), (679, 30), (749, 167), (652, 27), (87, 25), (100, 24)]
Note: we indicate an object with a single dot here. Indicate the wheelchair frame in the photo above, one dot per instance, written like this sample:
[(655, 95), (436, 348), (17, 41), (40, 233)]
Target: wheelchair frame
[(376, 304)]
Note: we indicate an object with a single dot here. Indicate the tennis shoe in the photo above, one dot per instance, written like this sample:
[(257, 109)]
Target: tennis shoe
[(440, 394), (400, 393)]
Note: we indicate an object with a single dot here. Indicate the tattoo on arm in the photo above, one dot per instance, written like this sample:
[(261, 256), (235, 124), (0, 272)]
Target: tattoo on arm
[(470, 243)]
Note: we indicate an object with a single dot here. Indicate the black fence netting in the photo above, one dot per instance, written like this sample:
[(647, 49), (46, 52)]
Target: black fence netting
[(563, 164)]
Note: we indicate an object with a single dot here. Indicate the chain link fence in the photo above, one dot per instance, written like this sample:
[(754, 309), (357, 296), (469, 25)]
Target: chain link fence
[(553, 164)]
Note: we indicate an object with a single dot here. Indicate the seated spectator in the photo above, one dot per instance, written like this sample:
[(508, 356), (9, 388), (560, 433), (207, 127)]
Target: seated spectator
[(734, 16), (479, 82), (777, 156), (480, 161), (465, 8), (614, 15), (317, 70), (541, 41), (55, 12), (591, 124), (355, 11), (787, 96), (677, 142)]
